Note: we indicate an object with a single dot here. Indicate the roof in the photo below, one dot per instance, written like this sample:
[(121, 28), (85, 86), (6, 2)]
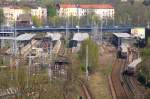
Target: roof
[(80, 36), (87, 6), (135, 63), (54, 36), (97, 6), (25, 37), (122, 35)]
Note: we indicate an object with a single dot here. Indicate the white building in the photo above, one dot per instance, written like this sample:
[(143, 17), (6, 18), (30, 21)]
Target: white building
[(71, 10), (102, 10), (39, 12), (11, 14)]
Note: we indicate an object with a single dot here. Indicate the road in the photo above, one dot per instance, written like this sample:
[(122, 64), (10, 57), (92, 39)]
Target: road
[(81, 29)]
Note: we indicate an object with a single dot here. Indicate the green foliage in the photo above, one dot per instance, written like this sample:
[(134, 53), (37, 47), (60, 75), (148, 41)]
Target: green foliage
[(144, 72), (39, 84), (55, 21), (131, 13), (1, 16), (146, 53), (51, 10), (45, 2), (37, 21), (1, 62), (89, 19), (93, 54)]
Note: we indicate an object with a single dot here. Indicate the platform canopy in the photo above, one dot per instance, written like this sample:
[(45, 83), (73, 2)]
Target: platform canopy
[(80, 36), (122, 35), (54, 36), (25, 37)]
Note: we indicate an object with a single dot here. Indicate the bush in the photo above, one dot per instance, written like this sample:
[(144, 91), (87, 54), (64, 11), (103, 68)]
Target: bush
[(141, 78), (93, 54)]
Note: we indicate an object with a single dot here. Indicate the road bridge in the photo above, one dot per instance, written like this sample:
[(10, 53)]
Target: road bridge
[(82, 29)]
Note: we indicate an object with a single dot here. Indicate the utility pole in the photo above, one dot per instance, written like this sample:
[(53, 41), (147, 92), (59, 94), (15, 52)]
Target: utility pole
[(87, 72), (28, 69), (67, 21), (101, 33), (95, 32), (78, 16), (14, 40)]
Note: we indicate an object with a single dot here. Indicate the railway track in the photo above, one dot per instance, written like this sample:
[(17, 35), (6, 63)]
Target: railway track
[(128, 85), (66, 52), (133, 88), (124, 86), (117, 82), (85, 90)]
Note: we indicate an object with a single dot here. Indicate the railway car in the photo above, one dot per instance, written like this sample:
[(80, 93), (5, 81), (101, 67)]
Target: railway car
[(123, 51), (132, 67), (120, 38), (73, 43)]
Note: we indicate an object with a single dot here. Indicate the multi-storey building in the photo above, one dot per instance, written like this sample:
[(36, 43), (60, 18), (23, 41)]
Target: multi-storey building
[(40, 12), (101, 10), (71, 10), (11, 13)]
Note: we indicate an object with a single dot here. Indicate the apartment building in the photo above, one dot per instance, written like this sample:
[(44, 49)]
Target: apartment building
[(11, 13), (101, 10), (40, 12)]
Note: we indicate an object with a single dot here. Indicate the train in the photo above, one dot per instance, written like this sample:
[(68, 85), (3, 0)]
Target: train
[(122, 51), (132, 67)]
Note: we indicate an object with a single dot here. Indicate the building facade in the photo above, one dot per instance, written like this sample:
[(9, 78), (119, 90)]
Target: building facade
[(101, 10), (40, 12), (12, 13)]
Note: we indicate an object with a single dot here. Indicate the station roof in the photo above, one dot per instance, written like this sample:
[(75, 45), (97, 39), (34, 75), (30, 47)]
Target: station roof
[(25, 37), (54, 36), (80, 36), (122, 35)]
